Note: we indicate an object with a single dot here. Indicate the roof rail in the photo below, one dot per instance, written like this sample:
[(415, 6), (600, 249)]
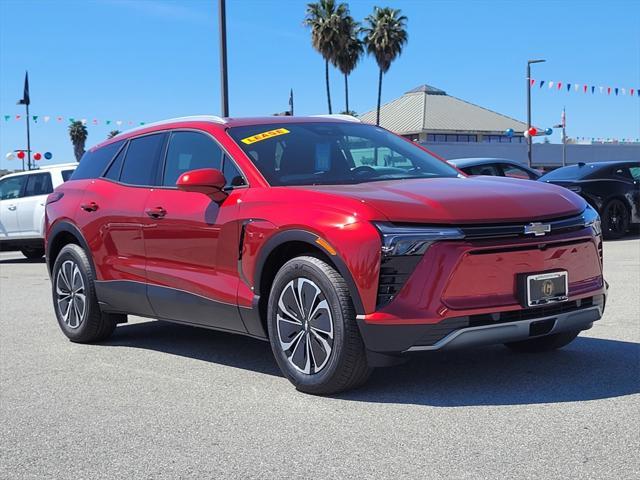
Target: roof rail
[(338, 116), (192, 118)]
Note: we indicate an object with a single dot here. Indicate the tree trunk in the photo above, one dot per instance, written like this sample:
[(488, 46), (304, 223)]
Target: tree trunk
[(326, 76), (346, 94), (78, 150), (379, 97)]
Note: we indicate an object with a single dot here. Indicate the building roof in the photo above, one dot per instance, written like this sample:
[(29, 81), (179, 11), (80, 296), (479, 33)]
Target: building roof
[(426, 108)]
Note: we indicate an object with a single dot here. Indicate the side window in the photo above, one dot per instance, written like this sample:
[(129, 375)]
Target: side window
[(141, 160), (11, 187), (623, 172), (113, 173), (482, 170), (66, 174), (232, 173), (189, 151), (93, 162), (38, 184), (635, 172), (514, 171)]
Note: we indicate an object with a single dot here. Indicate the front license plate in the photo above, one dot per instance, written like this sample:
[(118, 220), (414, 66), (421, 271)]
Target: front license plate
[(545, 288)]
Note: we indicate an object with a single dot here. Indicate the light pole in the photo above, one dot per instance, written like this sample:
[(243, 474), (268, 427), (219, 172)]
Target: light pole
[(563, 125), (529, 140), (26, 101), (222, 30)]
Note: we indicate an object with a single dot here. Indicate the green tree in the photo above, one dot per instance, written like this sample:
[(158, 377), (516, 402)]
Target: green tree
[(385, 35), (350, 52), (78, 134), (326, 18), (113, 133)]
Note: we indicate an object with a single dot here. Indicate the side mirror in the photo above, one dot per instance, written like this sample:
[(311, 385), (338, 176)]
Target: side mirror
[(209, 181)]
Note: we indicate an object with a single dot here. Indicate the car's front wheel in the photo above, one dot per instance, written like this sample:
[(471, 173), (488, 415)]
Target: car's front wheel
[(615, 219), (312, 328), (74, 298)]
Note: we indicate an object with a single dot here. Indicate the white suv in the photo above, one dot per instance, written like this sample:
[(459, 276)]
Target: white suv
[(22, 199)]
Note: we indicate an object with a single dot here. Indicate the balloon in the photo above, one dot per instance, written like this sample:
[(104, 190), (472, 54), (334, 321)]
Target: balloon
[(509, 132), (10, 156), (21, 155), (533, 131), (526, 134), (548, 131), (37, 156), (48, 155)]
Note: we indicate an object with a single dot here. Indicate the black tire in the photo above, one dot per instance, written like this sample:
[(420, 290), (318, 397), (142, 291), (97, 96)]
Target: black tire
[(79, 325), (544, 344), (345, 366), (32, 253), (615, 219)]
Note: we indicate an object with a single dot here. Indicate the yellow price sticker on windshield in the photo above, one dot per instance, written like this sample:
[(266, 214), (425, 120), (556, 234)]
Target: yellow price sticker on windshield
[(264, 135)]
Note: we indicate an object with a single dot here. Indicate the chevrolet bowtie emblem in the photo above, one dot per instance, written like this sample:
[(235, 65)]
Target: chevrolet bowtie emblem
[(536, 228)]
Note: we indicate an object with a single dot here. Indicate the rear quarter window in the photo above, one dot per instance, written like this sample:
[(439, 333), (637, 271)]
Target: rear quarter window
[(66, 174), (94, 162)]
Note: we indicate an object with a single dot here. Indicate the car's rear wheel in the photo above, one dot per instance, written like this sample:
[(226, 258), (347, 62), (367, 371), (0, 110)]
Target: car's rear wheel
[(312, 328), (74, 298), (544, 344), (615, 219), (32, 253)]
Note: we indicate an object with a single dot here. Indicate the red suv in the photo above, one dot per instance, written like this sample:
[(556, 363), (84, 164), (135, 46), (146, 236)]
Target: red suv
[(342, 244)]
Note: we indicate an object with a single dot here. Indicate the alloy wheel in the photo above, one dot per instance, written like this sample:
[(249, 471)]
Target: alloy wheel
[(615, 214), (71, 294), (305, 326)]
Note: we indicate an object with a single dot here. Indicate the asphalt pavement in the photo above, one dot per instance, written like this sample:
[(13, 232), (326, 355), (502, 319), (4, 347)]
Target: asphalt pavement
[(159, 400)]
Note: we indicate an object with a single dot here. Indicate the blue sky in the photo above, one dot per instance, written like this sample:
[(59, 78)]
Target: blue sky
[(145, 60)]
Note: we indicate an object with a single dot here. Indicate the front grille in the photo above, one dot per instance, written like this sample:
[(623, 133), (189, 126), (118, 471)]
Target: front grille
[(394, 272), (513, 230)]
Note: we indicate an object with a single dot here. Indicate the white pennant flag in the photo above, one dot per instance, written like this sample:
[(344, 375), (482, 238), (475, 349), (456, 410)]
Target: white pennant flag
[(623, 91), (576, 87), (601, 88), (118, 122), (84, 121), (551, 84), (46, 118)]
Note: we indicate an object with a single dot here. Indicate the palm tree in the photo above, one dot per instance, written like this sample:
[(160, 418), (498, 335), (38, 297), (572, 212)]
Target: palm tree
[(113, 133), (78, 133), (325, 19), (349, 54), (385, 35)]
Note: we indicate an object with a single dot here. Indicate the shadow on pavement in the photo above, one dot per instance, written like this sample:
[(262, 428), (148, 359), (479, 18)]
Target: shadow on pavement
[(587, 369), (21, 260)]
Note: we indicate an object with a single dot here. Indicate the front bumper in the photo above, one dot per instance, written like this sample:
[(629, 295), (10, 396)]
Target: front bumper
[(488, 329)]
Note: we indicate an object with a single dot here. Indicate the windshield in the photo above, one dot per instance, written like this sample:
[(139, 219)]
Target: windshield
[(573, 172), (334, 153)]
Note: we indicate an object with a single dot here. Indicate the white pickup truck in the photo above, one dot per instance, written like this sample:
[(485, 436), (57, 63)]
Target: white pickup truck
[(22, 200)]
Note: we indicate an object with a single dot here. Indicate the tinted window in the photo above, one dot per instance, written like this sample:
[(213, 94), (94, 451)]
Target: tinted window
[(573, 172), (514, 171), (66, 174), (635, 172), (141, 161), (334, 153), (189, 151), (113, 172), (93, 162), (482, 170), (11, 187), (232, 174), (622, 172), (38, 184)]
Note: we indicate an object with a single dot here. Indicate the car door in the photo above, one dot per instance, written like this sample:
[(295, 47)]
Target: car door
[(192, 241), (11, 189), (111, 216), (30, 207)]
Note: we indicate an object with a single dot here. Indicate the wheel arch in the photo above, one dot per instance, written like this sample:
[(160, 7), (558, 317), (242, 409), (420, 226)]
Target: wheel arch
[(63, 233)]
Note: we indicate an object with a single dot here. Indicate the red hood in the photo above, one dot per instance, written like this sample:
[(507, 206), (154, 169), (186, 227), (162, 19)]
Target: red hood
[(462, 200)]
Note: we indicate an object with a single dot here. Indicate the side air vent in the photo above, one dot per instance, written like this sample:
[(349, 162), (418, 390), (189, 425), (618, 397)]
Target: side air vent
[(394, 272)]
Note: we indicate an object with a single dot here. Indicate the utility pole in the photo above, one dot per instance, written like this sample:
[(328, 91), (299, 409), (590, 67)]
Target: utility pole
[(222, 30), (529, 139), (25, 100)]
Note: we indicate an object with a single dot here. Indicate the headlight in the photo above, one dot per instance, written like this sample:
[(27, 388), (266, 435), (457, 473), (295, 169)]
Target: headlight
[(412, 240), (592, 219)]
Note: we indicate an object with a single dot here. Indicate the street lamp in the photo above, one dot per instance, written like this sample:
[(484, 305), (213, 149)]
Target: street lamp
[(222, 31), (529, 62), (563, 126)]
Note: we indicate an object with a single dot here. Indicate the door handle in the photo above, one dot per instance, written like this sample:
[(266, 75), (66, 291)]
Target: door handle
[(157, 212), (89, 207), (12, 207)]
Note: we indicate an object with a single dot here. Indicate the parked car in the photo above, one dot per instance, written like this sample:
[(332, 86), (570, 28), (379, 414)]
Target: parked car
[(22, 199), (497, 167), (612, 188), (342, 244)]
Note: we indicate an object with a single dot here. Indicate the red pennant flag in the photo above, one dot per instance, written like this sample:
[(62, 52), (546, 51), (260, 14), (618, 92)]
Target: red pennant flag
[(585, 89), (608, 90), (631, 91), (18, 117), (59, 119), (532, 82), (559, 85)]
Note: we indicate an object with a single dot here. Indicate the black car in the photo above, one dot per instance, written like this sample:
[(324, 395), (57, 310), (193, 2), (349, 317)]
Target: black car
[(497, 167), (612, 188)]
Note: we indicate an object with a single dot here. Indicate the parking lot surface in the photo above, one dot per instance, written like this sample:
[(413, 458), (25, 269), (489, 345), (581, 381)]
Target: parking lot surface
[(159, 400)]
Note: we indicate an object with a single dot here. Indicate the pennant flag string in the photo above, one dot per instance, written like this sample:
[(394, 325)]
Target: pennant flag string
[(585, 87), (85, 121)]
